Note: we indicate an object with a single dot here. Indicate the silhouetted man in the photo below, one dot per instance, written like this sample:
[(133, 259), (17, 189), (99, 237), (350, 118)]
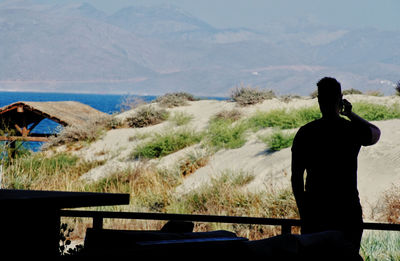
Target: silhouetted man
[(327, 149)]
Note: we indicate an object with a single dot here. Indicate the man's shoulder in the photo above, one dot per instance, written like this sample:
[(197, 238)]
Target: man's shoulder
[(311, 125)]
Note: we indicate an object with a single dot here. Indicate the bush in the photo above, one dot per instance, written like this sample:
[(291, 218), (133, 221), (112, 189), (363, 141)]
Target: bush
[(278, 140), (351, 91), (176, 99), (191, 162), (88, 132), (275, 118), (397, 88), (289, 97), (147, 116), (230, 115), (374, 93), (245, 96), (284, 119), (376, 112), (164, 144), (224, 134)]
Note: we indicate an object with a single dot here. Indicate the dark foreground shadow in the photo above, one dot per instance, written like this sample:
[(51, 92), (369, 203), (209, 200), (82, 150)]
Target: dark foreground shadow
[(215, 245)]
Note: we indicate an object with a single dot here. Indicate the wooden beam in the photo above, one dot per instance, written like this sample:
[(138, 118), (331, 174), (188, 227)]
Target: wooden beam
[(9, 109), (19, 129), (28, 138)]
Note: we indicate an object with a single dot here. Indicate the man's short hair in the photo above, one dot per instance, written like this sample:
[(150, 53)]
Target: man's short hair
[(329, 88)]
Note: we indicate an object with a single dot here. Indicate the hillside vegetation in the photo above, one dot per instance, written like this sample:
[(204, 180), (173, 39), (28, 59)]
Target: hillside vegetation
[(206, 157)]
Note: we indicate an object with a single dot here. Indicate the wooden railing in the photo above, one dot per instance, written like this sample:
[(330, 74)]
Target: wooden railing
[(285, 224)]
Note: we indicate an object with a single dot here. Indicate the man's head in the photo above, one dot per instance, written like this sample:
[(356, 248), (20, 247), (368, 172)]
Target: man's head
[(329, 96)]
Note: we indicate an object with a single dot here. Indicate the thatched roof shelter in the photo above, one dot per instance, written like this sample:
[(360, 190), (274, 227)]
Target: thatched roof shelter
[(22, 117)]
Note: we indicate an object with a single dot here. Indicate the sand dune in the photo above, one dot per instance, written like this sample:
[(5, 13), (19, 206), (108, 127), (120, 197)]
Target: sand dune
[(379, 165)]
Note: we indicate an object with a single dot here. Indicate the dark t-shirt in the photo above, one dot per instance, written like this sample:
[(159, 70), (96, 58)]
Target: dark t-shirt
[(328, 150)]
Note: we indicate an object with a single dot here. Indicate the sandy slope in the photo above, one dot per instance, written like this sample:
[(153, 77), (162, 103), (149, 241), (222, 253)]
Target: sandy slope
[(379, 165)]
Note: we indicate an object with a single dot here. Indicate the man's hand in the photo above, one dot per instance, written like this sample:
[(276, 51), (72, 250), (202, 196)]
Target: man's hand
[(347, 108)]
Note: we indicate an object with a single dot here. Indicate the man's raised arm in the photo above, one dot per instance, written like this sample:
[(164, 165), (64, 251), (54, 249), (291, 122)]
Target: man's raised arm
[(374, 130)]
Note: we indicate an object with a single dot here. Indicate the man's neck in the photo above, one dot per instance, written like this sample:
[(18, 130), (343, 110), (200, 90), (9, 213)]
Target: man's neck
[(330, 116)]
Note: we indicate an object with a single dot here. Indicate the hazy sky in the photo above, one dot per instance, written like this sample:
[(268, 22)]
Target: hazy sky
[(383, 14)]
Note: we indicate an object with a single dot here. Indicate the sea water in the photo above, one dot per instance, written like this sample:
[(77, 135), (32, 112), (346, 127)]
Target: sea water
[(108, 103)]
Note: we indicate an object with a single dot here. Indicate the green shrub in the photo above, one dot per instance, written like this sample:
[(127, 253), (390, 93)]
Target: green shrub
[(176, 99), (275, 118), (167, 143), (224, 134), (284, 119), (278, 140), (397, 88), (147, 116), (307, 114), (376, 112), (248, 95)]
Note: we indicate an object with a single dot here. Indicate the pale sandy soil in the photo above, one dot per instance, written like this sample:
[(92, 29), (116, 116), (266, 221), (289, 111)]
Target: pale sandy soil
[(379, 165)]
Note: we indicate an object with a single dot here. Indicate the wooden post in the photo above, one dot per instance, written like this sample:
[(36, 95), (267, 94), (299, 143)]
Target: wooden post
[(12, 150)]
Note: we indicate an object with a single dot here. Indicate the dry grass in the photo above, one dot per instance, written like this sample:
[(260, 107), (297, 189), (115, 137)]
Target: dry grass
[(192, 161), (88, 132), (231, 115), (175, 99), (146, 116), (389, 209), (153, 190), (247, 95)]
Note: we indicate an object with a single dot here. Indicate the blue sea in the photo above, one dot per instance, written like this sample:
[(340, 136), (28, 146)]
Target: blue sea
[(103, 102)]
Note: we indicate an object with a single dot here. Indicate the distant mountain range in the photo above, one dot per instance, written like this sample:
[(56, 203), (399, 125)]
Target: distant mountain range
[(155, 50)]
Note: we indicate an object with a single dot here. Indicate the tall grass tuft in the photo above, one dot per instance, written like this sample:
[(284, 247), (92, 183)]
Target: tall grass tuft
[(376, 112), (41, 172), (223, 134), (149, 188), (181, 118), (278, 140), (226, 195), (166, 143), (380, 245), (283, 119)]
